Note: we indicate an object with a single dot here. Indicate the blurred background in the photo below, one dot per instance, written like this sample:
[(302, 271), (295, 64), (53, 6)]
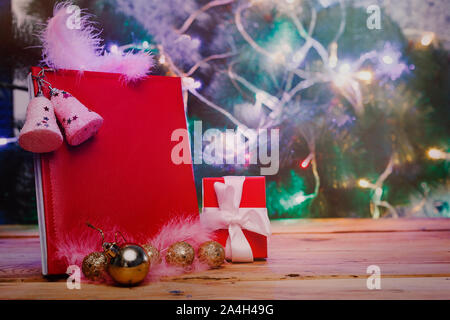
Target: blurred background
[(358, 89)]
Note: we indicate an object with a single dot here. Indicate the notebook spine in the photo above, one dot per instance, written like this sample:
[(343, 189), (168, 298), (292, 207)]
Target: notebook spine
[(39, 195)]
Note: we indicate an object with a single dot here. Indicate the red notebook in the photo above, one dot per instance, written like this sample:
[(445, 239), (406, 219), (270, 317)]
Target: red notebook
[(124, 175)]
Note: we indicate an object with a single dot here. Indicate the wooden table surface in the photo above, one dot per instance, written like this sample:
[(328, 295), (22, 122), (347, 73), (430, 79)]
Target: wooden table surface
[(308, 259)]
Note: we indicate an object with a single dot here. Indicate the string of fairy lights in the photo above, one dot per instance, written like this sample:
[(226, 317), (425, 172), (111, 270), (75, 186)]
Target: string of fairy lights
[(346, 77)]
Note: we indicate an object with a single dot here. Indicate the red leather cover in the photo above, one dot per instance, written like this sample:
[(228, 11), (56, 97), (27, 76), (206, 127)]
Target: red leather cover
[(253, 196), (124, 176)]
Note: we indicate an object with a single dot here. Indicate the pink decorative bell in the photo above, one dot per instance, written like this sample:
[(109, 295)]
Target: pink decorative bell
[(79, 122), (40, 132)]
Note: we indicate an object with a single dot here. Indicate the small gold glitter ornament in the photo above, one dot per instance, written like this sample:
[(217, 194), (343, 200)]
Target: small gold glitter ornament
[(211, 253), (127, 264), (130, 265), (94, 265), (180, 254), (153, 254)]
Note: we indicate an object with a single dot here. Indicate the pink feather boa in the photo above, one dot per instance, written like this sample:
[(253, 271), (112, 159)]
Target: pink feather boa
[(187, 229), (80, 49)]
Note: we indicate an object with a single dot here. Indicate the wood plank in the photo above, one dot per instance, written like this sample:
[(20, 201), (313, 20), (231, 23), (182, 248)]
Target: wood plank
[(305, 261), (351, 225), (336, 225), (421, 253), (391, 288)]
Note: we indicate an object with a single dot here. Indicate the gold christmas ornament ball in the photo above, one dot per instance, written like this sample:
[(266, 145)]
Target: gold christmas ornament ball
[(130, 266), (94, 266), (212, 253), (152, 253), (180, 254)]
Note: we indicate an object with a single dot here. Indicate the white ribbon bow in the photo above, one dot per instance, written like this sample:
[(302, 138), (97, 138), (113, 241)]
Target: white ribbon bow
[(229, 216)]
